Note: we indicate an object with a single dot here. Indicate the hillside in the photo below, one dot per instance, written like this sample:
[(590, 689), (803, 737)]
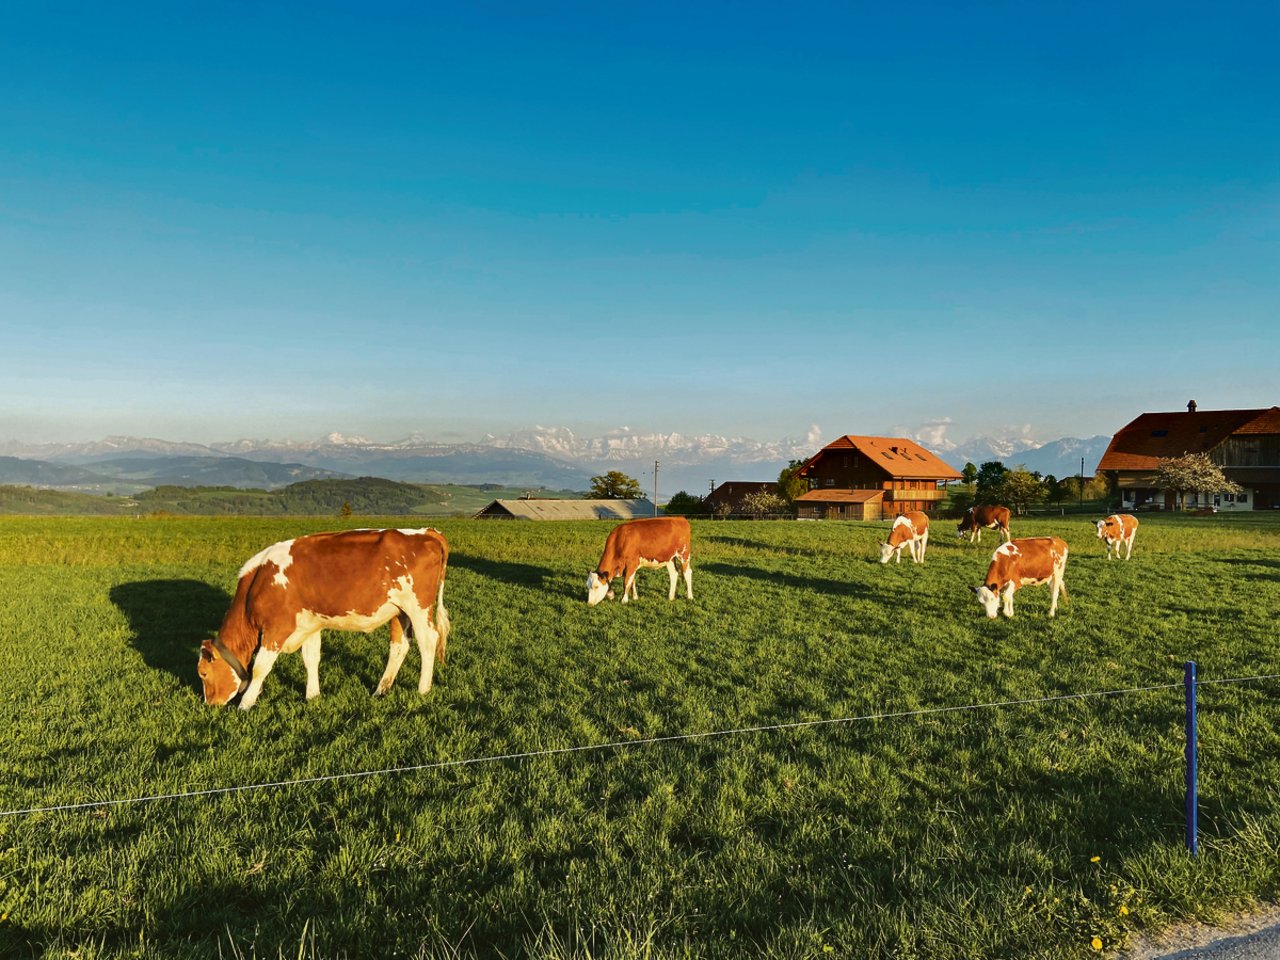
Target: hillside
[(363, 496)]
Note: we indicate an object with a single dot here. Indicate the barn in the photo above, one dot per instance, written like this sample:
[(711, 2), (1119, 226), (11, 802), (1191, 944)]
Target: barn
[(1244, 443), (534, 509), (867, 478)]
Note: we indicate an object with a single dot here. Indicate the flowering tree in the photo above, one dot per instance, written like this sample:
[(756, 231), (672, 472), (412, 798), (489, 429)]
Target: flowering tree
[(762, 503), (1192, 473)]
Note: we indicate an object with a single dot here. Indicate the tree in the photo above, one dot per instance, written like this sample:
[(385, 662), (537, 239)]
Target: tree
[(1192, 473), (1054, 490), (614, 485), (762, 503), (346, 508), (686, 505), (1022, 489), (790, 485), (990, 478), (970, 475)]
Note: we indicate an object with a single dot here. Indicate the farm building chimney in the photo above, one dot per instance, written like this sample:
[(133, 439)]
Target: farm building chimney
[(1191, 407)]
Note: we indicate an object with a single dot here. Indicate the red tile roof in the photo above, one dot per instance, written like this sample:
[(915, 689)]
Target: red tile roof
[(900, 458), (841, 496), (1140, 444)]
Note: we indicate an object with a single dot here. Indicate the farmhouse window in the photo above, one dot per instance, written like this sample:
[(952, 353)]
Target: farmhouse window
[(1243, 498)]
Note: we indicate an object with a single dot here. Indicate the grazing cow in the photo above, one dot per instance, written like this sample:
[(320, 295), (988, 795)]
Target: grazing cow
[(1118, 530), (984, 515), (1019, 563), (911, 531), (655, 542), (352, 580)]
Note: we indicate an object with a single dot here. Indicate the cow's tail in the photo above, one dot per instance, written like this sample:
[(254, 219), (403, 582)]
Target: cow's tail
[(441, 617)]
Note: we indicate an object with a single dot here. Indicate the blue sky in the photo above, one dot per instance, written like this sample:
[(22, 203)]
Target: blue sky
[(222, 221)]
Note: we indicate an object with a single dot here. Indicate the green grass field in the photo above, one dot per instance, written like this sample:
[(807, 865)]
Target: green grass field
[(1023, 831)]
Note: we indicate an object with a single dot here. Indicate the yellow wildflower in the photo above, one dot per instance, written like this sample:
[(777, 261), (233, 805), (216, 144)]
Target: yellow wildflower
[(1124, 911), (1094, 859), (1096, 943)]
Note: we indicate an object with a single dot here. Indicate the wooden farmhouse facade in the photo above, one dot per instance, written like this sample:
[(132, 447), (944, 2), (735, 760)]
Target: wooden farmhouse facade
[(869, 478), (1245, 444)]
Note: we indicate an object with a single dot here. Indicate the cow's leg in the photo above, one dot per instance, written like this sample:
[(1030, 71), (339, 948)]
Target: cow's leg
[(311, 660), (1008, 600), (688, 577), (977, 533), (1055, 584), (1004, 531), (428, 638), (396, 654), (1129, 551), (671, 570), (920, 545), (262, 664), (629, 584)]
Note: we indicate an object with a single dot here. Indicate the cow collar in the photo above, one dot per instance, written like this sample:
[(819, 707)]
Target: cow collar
[(232, 660)]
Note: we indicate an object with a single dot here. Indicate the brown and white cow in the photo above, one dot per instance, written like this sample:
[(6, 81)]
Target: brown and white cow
[(1118, 530), (983, 515), (351, 580), (1019, 563), (911, 530), (654, 542)]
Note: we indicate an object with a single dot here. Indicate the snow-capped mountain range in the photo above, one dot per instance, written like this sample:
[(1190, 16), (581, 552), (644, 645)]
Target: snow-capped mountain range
[(536, 456)]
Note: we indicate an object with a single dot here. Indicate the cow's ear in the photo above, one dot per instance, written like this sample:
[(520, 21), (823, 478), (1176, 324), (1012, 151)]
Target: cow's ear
[(976, 589), (993, 587), (206, 650)]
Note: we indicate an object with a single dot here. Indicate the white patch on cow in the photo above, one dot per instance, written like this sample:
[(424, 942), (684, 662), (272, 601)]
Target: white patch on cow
[(281, 554), (902, 522), (413, 533), (990, 601), (597, 588), (1008, 549)]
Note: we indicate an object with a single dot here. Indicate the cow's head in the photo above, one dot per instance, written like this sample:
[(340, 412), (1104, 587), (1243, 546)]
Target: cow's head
[(989, 597), (1103, 527), (220, 680), (598, 588), (886, 551)]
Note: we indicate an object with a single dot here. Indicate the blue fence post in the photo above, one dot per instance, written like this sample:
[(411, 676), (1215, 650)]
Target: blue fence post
[(1189, 682)]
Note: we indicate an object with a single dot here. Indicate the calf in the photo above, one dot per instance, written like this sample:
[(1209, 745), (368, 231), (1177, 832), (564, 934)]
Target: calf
[(911, 531), (984, 515), (353, 580), (1019, 563), (655, 542), (1118, 530)]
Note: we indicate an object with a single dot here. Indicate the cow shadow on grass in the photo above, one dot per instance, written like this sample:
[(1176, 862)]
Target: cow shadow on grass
[(168, 619), (1265, 562), (839, 588), (524, 574)]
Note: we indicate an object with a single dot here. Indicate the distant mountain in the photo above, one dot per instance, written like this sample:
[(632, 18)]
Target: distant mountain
[(186, 471), (42, 473), (687, 462), (551, 457), (1058, 457)]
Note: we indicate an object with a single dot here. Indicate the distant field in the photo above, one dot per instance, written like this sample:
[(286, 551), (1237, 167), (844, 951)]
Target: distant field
[(1024, 831)]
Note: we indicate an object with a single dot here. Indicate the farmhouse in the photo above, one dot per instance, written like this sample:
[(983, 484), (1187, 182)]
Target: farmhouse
[(532, 509), (729, 495), (867, 478), (1244, 443)]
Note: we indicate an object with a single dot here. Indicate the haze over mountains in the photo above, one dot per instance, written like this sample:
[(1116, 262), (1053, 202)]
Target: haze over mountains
[(552, 457)]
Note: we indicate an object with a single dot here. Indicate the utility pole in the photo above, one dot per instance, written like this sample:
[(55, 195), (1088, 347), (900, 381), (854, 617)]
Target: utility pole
[(655, 487), (1082, 483)]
